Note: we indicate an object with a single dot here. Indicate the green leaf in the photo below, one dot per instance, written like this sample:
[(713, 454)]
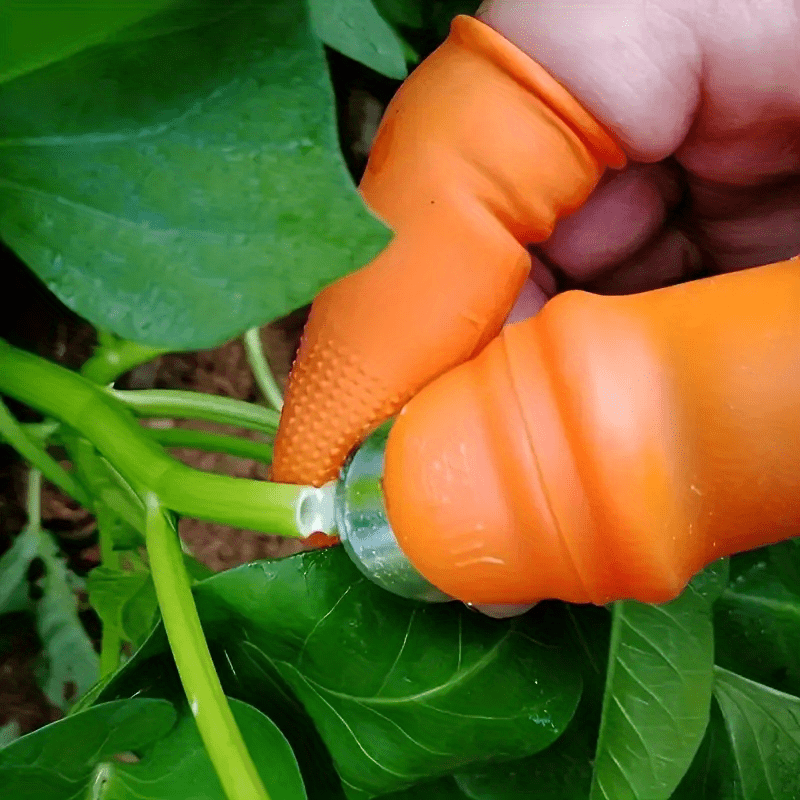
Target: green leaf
[(79, 754), (124, 600), (657, 697), (70, 662), (14, 565), (401, 12), (60, 759), (564, 769), (713, 580), (177, 766), (785, 559), (712, 774), (441, 12), (184, 184), (764, 727), (757, 627), (9, 733), (32, 36), (355, 28), (443, 789), (400, 692)]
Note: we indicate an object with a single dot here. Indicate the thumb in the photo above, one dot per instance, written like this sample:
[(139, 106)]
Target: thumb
[(479, 154), (609, 447)]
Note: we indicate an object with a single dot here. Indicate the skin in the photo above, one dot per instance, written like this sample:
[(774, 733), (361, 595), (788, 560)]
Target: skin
[(705, 97)]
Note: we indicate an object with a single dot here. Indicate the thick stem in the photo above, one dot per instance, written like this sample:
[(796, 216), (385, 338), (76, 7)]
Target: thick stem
[(221, 736), (111, 641), (257, 505)]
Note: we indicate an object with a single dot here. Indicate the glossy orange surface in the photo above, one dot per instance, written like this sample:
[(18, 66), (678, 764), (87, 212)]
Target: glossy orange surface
[(478, 153), (609, 447)]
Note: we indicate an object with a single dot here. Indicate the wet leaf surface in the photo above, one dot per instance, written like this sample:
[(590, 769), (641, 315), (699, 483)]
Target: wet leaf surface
[(183, 182), (399, 692)]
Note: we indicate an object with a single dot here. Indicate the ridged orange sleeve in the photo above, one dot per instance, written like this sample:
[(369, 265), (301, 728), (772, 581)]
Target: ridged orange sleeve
[(478, 154), (609, 447)]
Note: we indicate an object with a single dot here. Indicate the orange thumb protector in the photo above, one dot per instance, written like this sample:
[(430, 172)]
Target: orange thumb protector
[(608, 448), (478, 154)]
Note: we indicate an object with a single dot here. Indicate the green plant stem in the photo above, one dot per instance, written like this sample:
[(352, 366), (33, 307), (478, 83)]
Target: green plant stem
[(114, 357), (35, 454), (221, 736), (53, 390), (111, 641), (33, 500), (261, 370), (105, 483), (41, 431), (212, 442), (179, 404)]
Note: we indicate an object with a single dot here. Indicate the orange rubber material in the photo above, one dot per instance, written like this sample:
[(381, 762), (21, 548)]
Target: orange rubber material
[(609, 447), (479, 153)]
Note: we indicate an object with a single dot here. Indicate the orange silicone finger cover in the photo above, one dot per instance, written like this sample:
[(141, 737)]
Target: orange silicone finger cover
[(609, 447), (479, 153)]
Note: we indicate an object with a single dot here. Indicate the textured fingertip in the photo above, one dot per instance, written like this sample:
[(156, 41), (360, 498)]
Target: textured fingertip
[(332, 403), (479, 151)]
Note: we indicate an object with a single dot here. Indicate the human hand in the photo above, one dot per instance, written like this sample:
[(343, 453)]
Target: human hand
[(713, 186), (705, 99)]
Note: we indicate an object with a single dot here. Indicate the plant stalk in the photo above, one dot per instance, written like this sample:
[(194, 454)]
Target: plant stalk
[(261, 370), (256, 505), (114, 357), (221, 736), (178, 404), (212, 443), (35, 454), (111, 641)]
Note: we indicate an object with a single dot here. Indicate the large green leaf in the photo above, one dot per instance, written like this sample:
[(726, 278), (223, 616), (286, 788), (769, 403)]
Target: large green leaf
[(764, 727), (434, 14), (712, 775), (125, 601), (33, 34), (785, 559), (757, 627), (184, 182), (564, 769), (400, 692), (57, 761), (658, 692), (401, 12), (355, 28), (443, 789), (178, 767), (77, 755)]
